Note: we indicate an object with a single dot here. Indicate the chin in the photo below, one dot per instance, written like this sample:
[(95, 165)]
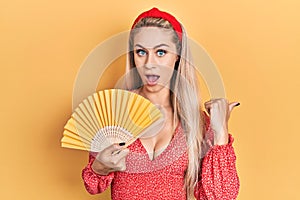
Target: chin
[(154, 88)]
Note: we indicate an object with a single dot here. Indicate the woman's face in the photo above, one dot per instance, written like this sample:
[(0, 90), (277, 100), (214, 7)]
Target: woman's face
[(154, 56)]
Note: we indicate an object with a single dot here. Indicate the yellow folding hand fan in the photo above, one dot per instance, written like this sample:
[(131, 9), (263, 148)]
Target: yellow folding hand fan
[(107, 117)]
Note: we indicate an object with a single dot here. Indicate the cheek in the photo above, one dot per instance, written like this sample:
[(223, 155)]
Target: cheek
[(171, 61), (139, 69)]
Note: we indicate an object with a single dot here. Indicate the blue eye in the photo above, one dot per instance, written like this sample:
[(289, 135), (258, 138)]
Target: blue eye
[(141, 52), (161, 52)]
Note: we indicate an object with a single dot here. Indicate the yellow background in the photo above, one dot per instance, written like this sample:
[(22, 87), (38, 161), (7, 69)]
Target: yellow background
[(255, 45)]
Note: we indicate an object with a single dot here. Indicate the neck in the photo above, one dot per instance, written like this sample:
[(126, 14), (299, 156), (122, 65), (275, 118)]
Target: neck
[(161, 97)]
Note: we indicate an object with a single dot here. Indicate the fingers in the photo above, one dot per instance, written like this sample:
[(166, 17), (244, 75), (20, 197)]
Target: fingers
[(232, 105), (112, 148), (121, 165), (118, 160), (208, 106), (214, 103), (220, 103), (122, 153)]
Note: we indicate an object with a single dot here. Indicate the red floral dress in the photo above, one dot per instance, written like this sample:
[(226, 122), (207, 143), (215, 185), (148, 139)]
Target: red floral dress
[(163, 177)]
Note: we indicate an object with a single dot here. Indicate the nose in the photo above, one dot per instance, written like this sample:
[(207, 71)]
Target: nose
[(151, 60)]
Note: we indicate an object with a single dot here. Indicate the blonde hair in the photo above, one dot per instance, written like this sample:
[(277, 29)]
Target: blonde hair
[(185, 98)]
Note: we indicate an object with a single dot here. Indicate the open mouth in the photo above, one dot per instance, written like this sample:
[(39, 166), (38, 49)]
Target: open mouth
[(152, 79)]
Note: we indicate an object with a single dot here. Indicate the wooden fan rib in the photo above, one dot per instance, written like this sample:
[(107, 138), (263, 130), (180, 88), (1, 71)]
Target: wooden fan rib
[(140, 115), (114, 101), (143, 126), (73, 141), (122, 109), (107, 99), (130, 104), (70, 134), (72, 146), (136, 106), (146, 120), (92, 112), (116, 112), (81, 129), (103, 108), (89, 120), (95, 111), (99, 109), (79, 117), (159, 122)]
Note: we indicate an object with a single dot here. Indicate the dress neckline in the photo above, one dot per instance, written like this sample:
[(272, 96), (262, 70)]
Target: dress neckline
[(138, 160), (166, 148)]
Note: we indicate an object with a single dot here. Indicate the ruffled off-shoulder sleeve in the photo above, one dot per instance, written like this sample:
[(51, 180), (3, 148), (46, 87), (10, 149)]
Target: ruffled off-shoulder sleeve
[(93, 182), (219, 178)]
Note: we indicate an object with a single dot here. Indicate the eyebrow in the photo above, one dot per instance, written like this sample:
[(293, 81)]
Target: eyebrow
[(155, 47)]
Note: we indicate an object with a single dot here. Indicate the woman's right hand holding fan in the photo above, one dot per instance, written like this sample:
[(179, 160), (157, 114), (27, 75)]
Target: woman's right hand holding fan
[(110, 159)]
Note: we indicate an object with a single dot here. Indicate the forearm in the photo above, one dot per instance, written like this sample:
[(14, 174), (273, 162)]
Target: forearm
[(219, 179), (94, 182)]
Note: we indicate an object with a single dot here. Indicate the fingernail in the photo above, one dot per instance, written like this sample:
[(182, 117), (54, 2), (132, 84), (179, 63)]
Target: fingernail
[(237, 104), (122, 144)]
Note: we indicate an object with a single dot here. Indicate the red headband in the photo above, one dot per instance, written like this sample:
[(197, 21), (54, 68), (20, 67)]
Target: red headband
[(154, 12)]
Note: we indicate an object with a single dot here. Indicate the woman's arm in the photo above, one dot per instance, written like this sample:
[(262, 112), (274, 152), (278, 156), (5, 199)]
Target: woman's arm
[(99, 172), (219, 179), (93, 182)]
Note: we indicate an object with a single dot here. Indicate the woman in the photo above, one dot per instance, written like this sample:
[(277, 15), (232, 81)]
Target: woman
[(192, 155)]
